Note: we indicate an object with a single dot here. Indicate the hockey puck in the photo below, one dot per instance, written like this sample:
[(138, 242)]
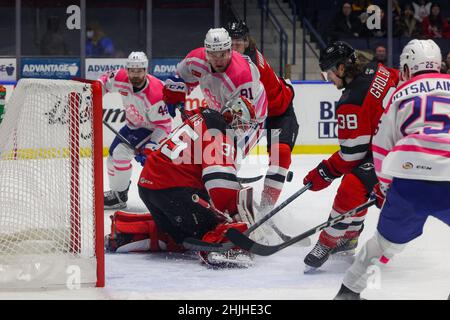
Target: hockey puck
[(289, 176)]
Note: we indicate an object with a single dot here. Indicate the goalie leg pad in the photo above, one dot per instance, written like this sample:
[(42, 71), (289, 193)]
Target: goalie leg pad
[(132, 232)]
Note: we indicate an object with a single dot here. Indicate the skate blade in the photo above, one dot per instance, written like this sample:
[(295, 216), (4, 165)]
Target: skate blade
[(310, 270), (345, 253), (116, 206)]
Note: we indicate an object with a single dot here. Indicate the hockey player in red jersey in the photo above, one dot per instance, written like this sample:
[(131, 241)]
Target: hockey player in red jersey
[(196, 159), (367, 89), (281, 123)]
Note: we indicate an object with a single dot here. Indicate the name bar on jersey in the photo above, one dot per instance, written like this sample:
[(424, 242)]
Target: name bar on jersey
[(423, 86)]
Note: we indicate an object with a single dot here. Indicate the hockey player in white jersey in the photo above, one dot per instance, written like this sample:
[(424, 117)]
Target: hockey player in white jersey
[(412, 160), (147, 123), (222, 74)]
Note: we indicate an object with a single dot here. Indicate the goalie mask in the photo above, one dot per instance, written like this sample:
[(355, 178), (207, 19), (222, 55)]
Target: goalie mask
[(240, 115)]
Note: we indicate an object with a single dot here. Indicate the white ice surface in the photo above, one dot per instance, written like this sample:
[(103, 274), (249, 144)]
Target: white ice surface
[(422, 271)]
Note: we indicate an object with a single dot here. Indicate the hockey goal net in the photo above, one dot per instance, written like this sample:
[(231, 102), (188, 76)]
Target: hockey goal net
[(51, 185)]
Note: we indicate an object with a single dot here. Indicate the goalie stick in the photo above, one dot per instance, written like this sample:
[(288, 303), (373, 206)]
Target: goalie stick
[(241, 240), (196, 244)]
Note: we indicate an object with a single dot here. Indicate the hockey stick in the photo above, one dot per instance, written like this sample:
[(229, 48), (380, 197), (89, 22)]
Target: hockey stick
[(241, 240), (207, 205), (196, 244), (121, 137)]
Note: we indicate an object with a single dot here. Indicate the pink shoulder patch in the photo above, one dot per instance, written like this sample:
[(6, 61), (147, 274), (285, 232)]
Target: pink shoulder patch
[(198, 53), (121, 75), (239, 70), (154, 91)]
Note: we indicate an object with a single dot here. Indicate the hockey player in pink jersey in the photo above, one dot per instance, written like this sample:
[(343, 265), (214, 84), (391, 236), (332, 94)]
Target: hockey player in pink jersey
[(223, 74), (412, 160), (147, 123)]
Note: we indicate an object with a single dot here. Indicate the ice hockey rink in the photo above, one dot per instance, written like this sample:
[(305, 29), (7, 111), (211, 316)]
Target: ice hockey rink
[(422, 271)]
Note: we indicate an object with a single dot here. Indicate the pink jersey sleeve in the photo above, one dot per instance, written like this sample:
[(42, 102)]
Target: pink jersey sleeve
[(157, 112), (242, 78), (193, 66), (113, 79)]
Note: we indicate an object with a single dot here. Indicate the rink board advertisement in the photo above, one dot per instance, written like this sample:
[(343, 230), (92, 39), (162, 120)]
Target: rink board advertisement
[(97, 67), (8, 69), (163, 68), (314, 104), (51, 68)]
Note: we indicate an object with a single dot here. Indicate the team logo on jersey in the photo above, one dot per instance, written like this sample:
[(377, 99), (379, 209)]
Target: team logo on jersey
[(370, 71), (196, 73), (145, 181), (407, 165), (367, 166), (124, 93)]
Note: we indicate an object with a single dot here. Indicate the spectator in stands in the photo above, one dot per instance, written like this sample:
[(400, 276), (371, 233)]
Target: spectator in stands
[(445, 68), (345, 24), (52, 42), (408, 26), (422, 9), (97, 43), (435, 26), (380, 54)]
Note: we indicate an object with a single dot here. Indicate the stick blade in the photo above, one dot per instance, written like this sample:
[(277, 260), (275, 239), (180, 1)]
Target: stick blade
[(248, 244), (199, 245)]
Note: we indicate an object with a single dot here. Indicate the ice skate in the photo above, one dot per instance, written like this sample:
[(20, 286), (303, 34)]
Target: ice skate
[(317, 257), (116, 199), (345, 247), (347, 294)]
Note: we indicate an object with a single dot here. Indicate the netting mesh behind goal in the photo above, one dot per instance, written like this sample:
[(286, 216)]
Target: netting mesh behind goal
[(47, 186)]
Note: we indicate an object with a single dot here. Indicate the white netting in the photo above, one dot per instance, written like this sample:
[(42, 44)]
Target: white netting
[(47, 225)]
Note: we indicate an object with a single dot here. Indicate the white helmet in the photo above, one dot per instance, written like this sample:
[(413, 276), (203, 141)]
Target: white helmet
[(421, 55), (137, 59), (217, 39), (240, 115)]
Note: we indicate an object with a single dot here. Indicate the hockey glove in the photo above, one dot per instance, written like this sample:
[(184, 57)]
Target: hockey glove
[(174, 94), (379, 191), (321, 176), (141, 157)]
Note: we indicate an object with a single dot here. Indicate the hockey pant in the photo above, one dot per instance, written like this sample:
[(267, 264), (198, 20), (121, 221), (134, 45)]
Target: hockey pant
[(352, 192), (176, 214), (120, 155)]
